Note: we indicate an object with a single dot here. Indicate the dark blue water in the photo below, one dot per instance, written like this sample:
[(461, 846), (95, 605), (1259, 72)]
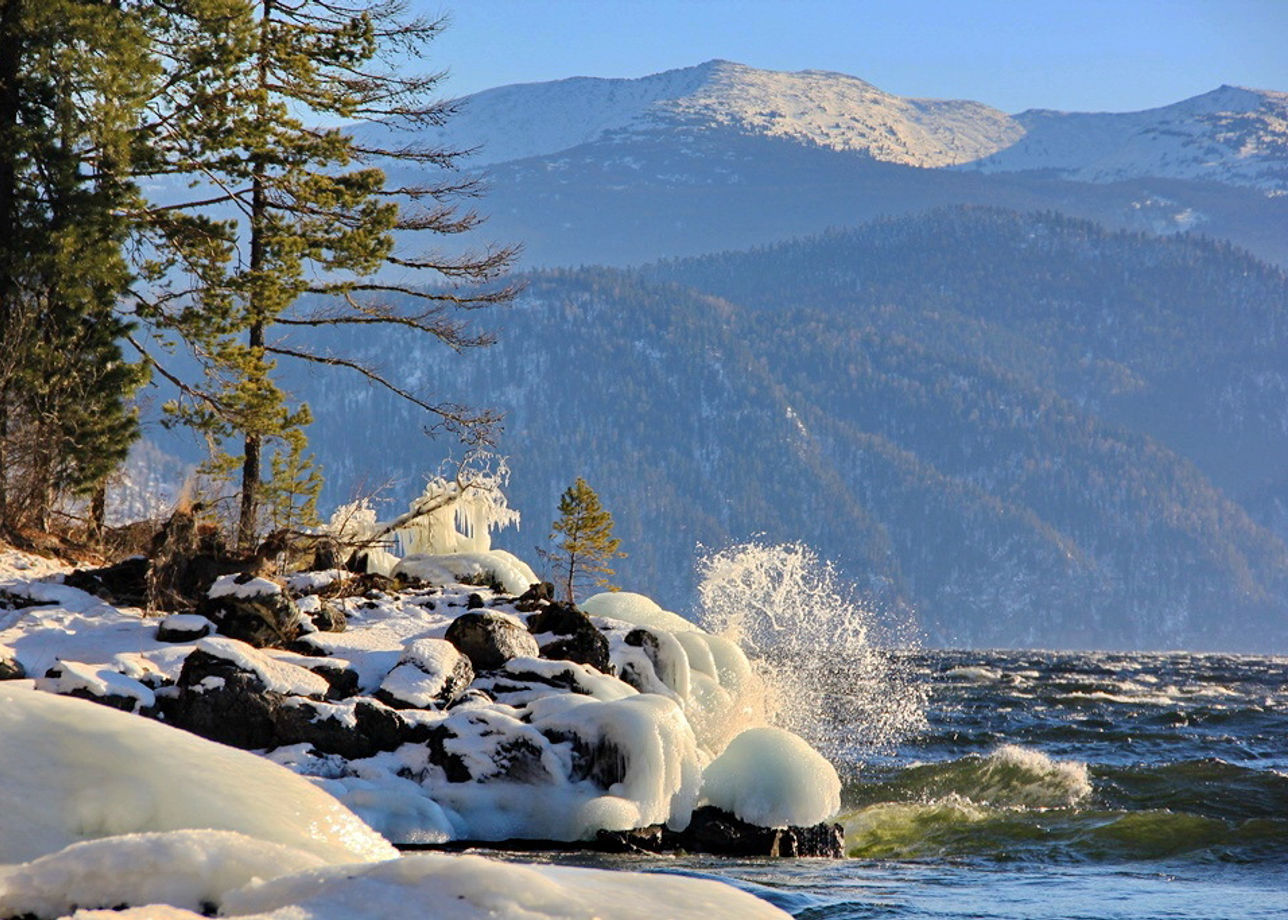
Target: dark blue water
[(1059, 786)]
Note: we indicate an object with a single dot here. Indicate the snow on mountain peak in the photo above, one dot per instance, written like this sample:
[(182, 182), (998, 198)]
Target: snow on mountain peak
[(815, 107)]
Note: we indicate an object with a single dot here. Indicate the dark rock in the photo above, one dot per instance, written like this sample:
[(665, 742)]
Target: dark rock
[(326, 554), (11, 668), (474, 602), (720, 833), (535, 597), (342, 681), (183, 628), (712, 830), (329, 618), (578, 640), (266, 620), (124, 584), (490, 639), (220, 701)]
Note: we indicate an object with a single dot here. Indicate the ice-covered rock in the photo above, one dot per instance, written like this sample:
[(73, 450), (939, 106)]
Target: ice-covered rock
[(770, 777), (72, 771)]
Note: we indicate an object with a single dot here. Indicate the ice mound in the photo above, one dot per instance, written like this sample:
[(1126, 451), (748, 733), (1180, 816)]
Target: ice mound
[(770, 777), (71, 770), (468, 887)]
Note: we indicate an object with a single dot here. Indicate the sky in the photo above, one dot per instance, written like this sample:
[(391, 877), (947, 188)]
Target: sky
[(1073, 55)]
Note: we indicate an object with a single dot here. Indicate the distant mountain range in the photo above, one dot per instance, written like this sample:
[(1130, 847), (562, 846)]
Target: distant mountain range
[(723, 156)]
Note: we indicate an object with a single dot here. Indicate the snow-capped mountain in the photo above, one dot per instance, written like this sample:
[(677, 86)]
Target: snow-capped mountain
[(1232, 135)]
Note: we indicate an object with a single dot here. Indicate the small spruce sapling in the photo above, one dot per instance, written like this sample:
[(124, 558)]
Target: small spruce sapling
[(584, 541)]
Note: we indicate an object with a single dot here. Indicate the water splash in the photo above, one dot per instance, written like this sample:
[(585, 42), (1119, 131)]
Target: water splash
[(829, 671)]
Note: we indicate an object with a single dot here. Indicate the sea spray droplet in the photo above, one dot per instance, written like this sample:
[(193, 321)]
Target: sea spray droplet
[(812, 641)]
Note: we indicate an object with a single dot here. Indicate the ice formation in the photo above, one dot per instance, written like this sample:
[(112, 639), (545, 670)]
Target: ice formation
[(770, 777), (72, 770)]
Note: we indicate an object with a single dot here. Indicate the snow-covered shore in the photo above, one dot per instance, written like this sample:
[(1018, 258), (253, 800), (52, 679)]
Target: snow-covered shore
[(414, 710)]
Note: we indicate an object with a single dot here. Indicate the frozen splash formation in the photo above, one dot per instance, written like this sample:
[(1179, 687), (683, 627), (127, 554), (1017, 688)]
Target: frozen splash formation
[(440, 696), (820, 652)]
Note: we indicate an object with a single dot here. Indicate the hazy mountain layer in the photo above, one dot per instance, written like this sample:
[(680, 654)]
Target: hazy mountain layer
[(1027, 429)]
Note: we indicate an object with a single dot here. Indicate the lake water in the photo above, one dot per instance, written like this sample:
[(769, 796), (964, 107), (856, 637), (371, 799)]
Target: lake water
[(1049, 785)]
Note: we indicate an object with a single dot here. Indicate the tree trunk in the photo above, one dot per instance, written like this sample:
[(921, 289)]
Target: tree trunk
[(10, 51)]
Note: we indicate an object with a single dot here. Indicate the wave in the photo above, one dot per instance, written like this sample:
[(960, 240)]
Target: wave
[(1019, 804)]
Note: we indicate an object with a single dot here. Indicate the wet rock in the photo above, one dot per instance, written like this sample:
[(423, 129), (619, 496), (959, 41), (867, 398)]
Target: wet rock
[(720, 833), (578, 639), (489, 639), (474, 602), (254, 610)]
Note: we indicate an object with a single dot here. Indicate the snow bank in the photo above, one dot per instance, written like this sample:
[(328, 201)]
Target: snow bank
[(468, 887), (770, 777), (183, 869), (71, 770)]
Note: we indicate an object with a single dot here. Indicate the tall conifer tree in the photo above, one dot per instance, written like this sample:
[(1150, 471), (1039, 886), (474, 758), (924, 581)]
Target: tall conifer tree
[(314, 214), (584, 541), (72, 84)]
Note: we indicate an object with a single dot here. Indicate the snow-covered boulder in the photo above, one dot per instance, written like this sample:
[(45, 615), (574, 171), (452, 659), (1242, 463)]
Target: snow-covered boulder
[(469, 887), (254, 610), (430, 674), (183, 627), (496, 566), (71, 771), (772, 778)]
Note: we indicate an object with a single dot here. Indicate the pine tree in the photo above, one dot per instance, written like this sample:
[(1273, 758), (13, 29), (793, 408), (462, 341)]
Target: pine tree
[(584, 541), (316, 214), (72, 82)]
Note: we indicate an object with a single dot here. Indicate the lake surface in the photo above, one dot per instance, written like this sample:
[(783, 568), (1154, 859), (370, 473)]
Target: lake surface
[(1051, 785)]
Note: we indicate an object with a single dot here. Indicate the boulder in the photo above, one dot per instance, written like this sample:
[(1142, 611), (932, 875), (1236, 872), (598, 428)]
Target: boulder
[(577, 638), (183, 627), (255, 610), (489, 639), (535, 597), (431, 674)]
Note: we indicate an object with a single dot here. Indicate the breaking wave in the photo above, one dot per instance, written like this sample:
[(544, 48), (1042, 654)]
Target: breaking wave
[(825, 656)]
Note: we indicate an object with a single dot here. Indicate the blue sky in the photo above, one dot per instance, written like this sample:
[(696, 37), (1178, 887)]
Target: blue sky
[(1083, 55)]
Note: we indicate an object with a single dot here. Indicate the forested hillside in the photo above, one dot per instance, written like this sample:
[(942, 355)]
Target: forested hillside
[(977, 414)]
